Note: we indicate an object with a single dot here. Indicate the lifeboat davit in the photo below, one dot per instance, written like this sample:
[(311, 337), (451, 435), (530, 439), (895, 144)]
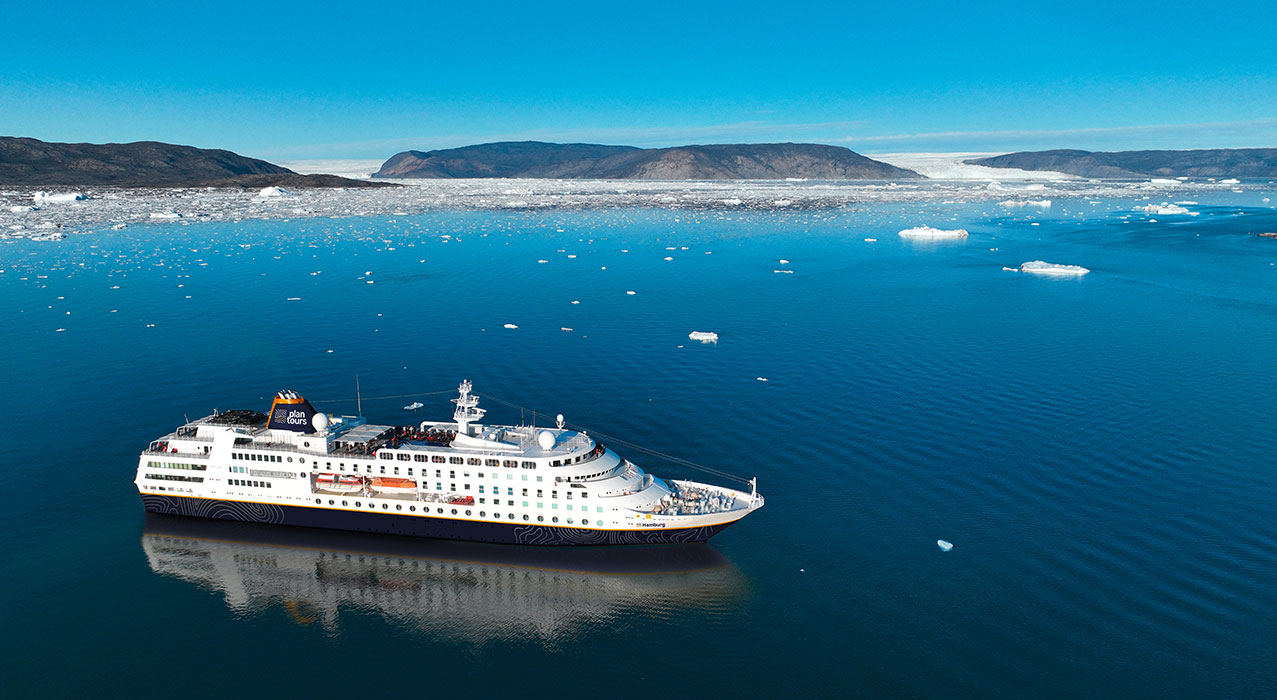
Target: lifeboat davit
[(390, 485)]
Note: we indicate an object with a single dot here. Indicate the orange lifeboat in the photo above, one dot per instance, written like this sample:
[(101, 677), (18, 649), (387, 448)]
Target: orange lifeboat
[(385, 484)]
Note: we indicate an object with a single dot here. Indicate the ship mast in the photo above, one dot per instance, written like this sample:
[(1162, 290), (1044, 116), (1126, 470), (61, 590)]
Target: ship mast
[(467, 408)]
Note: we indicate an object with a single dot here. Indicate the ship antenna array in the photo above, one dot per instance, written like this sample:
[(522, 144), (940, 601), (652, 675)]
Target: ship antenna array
[(634, 446)]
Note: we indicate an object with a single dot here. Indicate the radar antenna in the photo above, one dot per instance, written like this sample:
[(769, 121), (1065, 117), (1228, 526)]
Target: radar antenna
[(468, 409)]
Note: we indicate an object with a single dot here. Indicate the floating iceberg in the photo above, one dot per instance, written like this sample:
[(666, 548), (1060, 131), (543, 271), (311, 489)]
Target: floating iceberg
[(413, 406), (944, 545), (1165, 209), (43, 196), (274, 191), (165, 215), (1230, 181), (926, 232), (704, 336), (1042, 203), (1039, 267), (1163, 181), (510, 325), (20, 208)]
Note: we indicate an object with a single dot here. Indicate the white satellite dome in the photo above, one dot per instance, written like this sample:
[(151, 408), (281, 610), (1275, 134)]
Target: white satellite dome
[(320, 421), (546, 440)]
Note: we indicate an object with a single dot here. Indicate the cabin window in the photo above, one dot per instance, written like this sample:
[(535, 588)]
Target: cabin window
[(529, 465), (385, 455), (525, 516), (585, 522), (474, 461), (437, 459), (454, 511), (456, 460), (404, 457), (511, 463), (491, 462), (467, 487)]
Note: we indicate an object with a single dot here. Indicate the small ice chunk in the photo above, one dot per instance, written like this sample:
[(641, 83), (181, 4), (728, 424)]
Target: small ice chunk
[(21, 208), (1163, 181), (783, 272), (510, 325), (783, 261), (871, 240), (929, 233), (165, 215), (1010, 269), (704, 336), (944, 545), (565, 329), (1230, 181), (668, 258), (1039, 267), (543, 261), (273, 191), (631, 292), (761, 379), (574, 301)]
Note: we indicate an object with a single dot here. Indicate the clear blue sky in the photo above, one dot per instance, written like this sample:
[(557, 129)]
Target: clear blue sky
[(365, 80)]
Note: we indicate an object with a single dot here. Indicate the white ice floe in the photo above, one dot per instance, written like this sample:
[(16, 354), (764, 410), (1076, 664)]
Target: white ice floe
[(927, 232), (274, 191), (871, 240), (783, 261), (1041, 203), (1166, 209), (1230, 181), (1039, 267), (761, 379), (944, 545), (565, 329), (165, 215), (42, 197), (783, 272), (704, 336), (21, 208), (631, 292), (1163, 181), (510, 325)]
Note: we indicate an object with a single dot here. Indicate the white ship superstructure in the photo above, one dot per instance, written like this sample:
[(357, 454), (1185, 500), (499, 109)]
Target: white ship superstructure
[(459, 479)]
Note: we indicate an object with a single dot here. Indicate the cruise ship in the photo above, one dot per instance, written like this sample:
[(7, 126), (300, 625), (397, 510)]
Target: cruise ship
[(459, 479)]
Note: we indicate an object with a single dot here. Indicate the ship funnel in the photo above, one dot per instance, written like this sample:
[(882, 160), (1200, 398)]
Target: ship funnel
[(290, 411)]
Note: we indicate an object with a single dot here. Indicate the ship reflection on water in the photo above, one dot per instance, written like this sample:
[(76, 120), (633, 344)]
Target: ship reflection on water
[(469, 592)]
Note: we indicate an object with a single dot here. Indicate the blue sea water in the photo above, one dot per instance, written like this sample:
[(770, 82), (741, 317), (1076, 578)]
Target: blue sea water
[(1100, 450)]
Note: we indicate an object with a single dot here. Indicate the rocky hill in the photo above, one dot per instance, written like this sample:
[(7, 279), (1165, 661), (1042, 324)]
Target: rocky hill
[(1215, 162), (534, 159), (26, 161)]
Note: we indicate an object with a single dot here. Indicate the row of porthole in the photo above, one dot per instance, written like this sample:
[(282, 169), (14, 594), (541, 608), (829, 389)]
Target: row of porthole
[(413, 509)]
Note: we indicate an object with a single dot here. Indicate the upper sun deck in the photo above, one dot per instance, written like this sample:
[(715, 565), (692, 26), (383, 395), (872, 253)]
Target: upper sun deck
[(294, 426)]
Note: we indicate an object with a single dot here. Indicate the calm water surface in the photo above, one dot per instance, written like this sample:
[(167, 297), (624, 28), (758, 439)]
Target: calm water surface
[(1100, 451)]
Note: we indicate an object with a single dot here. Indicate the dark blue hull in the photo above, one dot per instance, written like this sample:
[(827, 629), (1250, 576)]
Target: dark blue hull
[(418, 526)]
